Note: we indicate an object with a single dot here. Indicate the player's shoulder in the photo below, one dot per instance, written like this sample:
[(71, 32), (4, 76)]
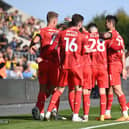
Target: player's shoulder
[(114, 33)]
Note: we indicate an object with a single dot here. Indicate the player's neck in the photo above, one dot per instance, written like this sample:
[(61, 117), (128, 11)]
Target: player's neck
[(112, 28), (51, 26), (75, 27)]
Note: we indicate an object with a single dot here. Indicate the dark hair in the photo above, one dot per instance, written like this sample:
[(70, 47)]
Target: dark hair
[(112, 19), (62, 26), (91, 25), (76, 18), (51, 15)]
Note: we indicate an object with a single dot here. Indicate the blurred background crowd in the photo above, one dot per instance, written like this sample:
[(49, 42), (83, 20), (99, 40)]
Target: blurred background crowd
[(15, 36), (15, 60)]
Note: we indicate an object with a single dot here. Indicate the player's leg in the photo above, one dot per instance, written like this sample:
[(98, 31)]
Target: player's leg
[(109, 102), (38, 111), (53, 80), (102, 81), (102, 92), (76, 77), (115, 82), (127, 105), (86, 88), (71, 97), (55, 97), (122, 100), (77, 104), (86, 103)]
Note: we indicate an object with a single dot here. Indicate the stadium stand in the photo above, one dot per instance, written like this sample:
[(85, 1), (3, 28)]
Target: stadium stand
[(16, 31)]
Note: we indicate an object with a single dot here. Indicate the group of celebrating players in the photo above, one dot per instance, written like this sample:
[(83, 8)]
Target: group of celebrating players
[(79, 60)]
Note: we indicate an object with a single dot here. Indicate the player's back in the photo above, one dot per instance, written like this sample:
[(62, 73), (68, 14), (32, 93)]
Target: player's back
[(71, 41), (115, 56), (86, 56), (48, 45), (99, 50)]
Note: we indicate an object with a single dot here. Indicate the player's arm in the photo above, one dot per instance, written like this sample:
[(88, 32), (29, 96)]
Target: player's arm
[(35, 44), (105, 35), (115, 46), (124, 72), (85, 46)]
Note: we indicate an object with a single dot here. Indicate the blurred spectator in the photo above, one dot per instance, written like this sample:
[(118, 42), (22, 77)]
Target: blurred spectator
[(24, 60), (17, 18), (3, 42), (8, 62), (5, 28), (15, 52), (15, 29), (127, 71), (13, 43), (9, 53), (34, 68), (18, 48), (2, 67), (27, 74), (25, 48), (16, 73)]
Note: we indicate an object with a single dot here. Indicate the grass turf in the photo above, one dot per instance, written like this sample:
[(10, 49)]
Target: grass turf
[(26, 121)]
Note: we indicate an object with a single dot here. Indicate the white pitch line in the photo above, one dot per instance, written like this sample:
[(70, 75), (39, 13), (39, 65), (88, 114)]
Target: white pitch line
[(117, 123)]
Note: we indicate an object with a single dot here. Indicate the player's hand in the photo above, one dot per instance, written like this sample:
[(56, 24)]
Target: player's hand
[(39, 60), (68, 19), (124, 74), (87, 49), (84, 29), (106, 35), (33, 50)]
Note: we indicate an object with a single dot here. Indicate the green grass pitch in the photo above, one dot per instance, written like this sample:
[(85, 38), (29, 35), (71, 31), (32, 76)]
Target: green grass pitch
[(26, 121)]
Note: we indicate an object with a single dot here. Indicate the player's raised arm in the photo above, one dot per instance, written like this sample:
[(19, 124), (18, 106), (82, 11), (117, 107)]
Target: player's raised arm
[(35, 44)]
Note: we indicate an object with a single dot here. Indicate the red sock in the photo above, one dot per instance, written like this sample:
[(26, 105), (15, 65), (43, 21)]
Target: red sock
[(71, 99), (127, 104), (57, 104), (54, 100), (86, 104), (102, 104), (77, 101), (122, 101), (41, 101), (109, 101)]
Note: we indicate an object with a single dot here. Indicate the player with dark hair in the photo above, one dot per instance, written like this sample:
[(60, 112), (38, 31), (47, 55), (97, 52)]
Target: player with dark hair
[(97, 47), (48, 63), (116, 66), (71, 44), (99, 65)]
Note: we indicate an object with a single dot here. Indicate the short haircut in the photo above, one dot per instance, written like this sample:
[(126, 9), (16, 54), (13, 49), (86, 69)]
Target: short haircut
[(51, 15), (112, 19), (76, 18), (91, 25)]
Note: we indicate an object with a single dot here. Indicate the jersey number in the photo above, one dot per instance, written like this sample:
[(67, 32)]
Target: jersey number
[(100, 45), (70, 45), (120, 42)]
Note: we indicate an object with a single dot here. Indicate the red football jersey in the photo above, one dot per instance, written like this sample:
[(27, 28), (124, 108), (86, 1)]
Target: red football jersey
[(86, 56), (99, 50), (71, 43), (47, 50), (113, 55)]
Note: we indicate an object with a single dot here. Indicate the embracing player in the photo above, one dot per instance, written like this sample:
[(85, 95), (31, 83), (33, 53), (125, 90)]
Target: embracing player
[(48, 63), (71, 43), (116, 66), (97, 46)]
